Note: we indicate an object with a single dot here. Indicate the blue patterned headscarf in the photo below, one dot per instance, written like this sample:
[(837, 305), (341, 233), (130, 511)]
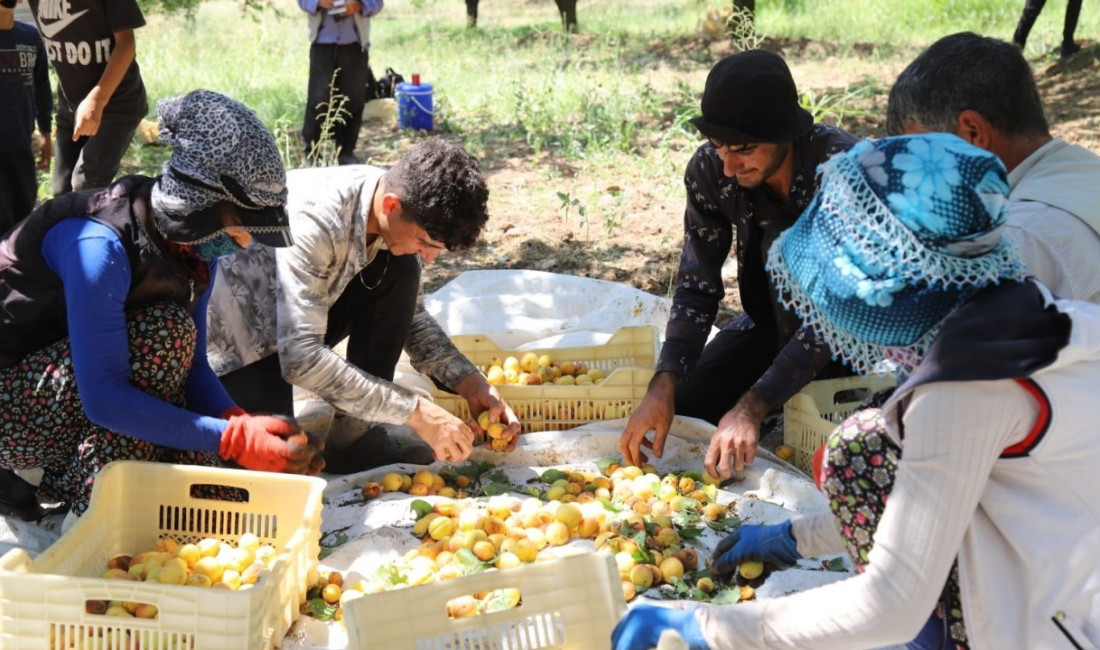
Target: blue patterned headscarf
[(902, 232)]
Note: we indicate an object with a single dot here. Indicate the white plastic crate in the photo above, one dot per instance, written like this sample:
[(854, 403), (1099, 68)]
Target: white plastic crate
[(812, 414), (42, 601), (628, 358), (568, 603)]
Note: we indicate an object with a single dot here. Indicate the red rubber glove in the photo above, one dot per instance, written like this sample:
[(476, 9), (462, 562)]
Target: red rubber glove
[(266, 443)]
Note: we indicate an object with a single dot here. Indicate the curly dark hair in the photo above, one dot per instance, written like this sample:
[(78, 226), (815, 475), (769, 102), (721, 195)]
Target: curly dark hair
[(442, 190)]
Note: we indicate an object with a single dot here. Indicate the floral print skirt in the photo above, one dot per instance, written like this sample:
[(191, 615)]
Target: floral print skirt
[(42, 420), (860, 466)]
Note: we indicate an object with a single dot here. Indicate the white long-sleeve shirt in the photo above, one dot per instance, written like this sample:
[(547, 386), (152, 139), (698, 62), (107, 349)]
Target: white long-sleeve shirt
[(1026, 530), (1049, 216)]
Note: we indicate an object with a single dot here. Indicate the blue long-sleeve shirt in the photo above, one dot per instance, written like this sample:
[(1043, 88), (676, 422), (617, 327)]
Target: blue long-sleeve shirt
[(95, 270), (25, 94)]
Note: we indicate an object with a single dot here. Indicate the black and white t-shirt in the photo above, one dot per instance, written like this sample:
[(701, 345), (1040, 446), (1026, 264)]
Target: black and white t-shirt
[(79, 38)]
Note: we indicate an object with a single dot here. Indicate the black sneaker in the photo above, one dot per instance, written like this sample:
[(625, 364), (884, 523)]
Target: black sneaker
[(348, 159), (1068, 49), (18, 498), (375, 448)]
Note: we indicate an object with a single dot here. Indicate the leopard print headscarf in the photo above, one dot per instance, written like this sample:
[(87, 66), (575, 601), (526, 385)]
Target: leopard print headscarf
[(221, 152)]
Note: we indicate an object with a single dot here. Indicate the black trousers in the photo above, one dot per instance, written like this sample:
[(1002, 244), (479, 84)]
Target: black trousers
[(1032, 9), (351, 65), (729, 366), (374, 313), (18, 187)]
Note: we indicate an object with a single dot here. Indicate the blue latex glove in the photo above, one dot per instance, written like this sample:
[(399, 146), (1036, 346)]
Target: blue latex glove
[(773, 544), (641, 628)]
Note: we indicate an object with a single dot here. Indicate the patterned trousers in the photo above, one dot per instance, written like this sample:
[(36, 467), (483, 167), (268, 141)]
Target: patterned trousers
[(42, 420), (860, 468)]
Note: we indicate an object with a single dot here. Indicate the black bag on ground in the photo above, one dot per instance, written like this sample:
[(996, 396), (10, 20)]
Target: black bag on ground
[(384, 87)]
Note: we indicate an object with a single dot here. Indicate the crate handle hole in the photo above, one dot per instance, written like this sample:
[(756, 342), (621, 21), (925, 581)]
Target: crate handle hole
[(486, 602), (216, 492), (121, 609)]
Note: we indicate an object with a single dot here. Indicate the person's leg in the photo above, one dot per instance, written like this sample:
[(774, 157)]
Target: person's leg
[(729, 365), (1073, 12), (101, 154), (259, 387), (322, 63), (860, 467), (471, 13), (18, 187), (65, 151), (354, 63), (1032, 8), (374, 312), (72, 449), (567, 9)]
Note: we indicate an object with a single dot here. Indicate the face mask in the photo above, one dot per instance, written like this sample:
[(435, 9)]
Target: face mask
[(219, 246)]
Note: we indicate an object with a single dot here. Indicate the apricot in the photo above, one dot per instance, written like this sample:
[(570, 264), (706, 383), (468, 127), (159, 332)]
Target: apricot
[(751, 570), (641, 576), (671, 567), (784, 452)]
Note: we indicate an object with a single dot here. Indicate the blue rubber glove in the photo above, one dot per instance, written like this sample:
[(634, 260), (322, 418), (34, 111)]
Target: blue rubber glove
[(641, 628), (773, 544)]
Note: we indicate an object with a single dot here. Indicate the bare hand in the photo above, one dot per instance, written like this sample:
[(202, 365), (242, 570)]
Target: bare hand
[(354, 7), (45, 152), (481, 396), (325, 4), (734, 443), (449, 437), (653, 414), (87, 118)]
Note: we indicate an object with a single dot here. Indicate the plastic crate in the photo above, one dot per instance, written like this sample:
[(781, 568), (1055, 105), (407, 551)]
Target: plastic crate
[(571, 603), (549, 407), (812, 414), (42, 601), (628, 359), (629, 347)]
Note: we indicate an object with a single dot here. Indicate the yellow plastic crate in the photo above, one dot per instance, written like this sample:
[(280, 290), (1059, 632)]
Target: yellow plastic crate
[(629, 347), (569, 603), (628, 359), (42, 601), (812, 414), (549, 407)]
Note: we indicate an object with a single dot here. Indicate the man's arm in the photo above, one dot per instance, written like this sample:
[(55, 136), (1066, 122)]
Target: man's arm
[(708, 236), (43, 101), (734, 443), (90, 111), (303, 302)]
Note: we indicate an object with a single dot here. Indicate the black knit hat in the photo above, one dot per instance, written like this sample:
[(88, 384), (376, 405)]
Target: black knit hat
[(750, 97)]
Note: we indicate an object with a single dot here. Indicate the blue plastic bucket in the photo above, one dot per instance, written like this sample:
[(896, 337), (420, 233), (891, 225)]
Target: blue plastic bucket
[(414, 106)]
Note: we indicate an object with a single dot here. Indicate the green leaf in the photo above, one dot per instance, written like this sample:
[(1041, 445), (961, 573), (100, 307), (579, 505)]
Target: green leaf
[(835, 564), (498, 476), (727, 597), (690, 533), (687, 505), (420, 507), (608, 505), (698, 594), (390, 575), (319, 609), (725, 524), (493, 489), (551, 475), (693, 474), (334, 540)]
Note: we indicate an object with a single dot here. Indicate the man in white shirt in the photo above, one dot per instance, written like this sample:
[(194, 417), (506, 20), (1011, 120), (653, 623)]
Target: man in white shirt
[(982, 90)]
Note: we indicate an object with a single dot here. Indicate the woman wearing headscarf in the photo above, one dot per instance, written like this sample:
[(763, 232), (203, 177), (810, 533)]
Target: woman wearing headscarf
[(103, 298), (968, 502)]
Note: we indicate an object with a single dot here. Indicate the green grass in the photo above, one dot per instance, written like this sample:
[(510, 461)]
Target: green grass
[(627, 83)]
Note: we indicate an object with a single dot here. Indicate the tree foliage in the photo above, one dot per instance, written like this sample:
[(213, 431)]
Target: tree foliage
[(188, 7)]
